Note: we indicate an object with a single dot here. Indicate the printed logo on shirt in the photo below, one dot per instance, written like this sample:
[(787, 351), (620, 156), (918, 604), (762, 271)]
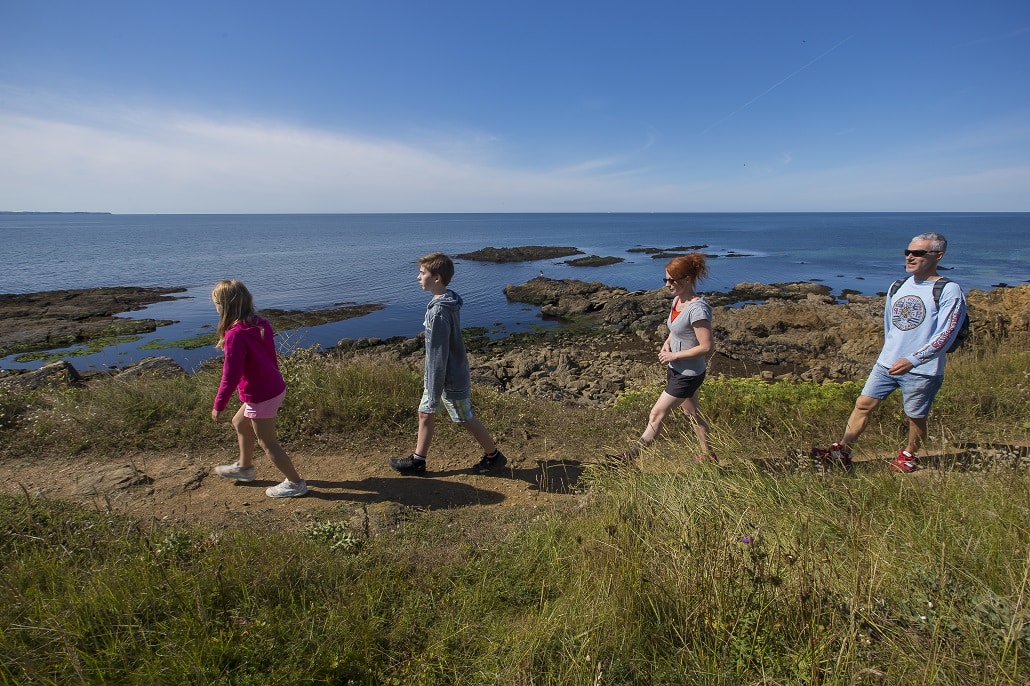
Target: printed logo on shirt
[(908, 312)]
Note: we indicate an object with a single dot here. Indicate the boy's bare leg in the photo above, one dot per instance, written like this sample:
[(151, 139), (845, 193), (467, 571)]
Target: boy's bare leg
[(481, 434), (425, 434)]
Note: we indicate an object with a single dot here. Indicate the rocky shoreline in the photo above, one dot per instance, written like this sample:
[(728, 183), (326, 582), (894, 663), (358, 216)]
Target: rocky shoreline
[(55, 319), (793, 331), (50, 320)]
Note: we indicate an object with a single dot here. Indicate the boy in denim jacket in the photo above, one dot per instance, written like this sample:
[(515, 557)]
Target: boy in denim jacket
[(446, 380)]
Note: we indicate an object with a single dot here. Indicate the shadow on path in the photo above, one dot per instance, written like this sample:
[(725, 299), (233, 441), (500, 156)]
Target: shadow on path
[(970, 457)]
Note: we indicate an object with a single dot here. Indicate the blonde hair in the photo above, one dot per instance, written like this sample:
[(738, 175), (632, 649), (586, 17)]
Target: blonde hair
[(234, 304)]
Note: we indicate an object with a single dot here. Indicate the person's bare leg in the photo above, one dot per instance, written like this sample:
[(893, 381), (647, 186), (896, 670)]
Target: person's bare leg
[(859, 419), (426, 428), (265, 430), (246, 438), (693, 411), (916, 433), (661, 409), (481, 434)]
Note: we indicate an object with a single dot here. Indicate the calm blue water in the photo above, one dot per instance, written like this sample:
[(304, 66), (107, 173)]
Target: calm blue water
[(316, 261)]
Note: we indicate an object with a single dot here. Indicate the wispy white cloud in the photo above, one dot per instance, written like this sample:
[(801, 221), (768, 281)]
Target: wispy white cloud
[(170, 163), (134, 160), (149, 161)]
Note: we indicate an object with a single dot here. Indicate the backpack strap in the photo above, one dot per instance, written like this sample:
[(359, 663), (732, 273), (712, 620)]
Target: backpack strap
[(938, 288), (895, 286)]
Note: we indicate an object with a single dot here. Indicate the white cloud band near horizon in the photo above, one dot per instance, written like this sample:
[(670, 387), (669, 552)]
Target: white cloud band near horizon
[(141, 162)]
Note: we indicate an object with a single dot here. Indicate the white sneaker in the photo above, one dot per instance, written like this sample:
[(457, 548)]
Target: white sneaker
[(235, 471), (287, 489)]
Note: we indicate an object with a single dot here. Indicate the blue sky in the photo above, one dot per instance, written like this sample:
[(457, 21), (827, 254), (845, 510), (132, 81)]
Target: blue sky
[(485, 106)]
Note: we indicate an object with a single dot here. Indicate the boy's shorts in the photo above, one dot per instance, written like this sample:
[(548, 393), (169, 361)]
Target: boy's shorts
[(680, 385), (460, 409), (917, 390), (266, 409)]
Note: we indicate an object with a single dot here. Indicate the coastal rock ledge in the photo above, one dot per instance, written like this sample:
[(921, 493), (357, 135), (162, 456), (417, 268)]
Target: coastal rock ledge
[(793, 331)]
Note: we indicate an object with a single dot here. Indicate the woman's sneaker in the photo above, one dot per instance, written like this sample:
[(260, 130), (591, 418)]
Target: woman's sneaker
[(287, 489), (235, 471), (905, 462)]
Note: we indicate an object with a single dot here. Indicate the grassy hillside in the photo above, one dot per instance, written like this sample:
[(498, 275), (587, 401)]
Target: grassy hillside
[(764, 569)]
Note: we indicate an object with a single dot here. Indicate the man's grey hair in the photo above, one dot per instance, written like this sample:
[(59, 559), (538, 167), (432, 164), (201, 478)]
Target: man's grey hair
[(937, 241)]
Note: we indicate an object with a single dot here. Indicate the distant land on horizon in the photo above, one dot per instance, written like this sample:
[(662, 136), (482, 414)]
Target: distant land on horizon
[(17, 212)]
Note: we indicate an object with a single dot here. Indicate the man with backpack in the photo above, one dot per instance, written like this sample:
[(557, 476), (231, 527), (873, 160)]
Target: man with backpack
[(924, 317)]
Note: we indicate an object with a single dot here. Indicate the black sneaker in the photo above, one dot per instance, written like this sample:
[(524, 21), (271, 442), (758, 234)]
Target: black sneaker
[(489, 463), (408, 465)]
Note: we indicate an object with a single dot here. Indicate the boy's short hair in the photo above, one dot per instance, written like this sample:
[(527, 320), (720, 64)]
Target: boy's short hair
[(438, 264)]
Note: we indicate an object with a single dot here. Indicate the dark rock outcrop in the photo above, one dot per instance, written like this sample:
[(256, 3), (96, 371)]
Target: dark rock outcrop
[(162, 366), (55, 375), (54, 319), (525, 253)]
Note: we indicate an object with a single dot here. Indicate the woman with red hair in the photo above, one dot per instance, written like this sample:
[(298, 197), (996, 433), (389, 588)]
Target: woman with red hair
[(684, 351)]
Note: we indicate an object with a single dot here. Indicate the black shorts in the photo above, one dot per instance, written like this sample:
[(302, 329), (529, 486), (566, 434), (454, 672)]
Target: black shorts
[(680, 385)]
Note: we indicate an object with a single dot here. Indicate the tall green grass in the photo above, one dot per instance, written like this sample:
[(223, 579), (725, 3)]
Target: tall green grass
[(985, 399), (764, 569), (723, 576)]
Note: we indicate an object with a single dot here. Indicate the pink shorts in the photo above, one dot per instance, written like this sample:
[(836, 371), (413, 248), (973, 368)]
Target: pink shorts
[(265, 409)]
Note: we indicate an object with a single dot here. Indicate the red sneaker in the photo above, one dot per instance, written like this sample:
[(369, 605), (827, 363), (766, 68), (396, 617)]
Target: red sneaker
[(905, 462), (842, 454)]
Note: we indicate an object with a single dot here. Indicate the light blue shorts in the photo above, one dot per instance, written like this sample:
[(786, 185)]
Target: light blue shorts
[(459, 409), (917, 391)]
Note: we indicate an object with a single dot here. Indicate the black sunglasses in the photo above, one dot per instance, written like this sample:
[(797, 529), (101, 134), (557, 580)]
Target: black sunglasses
[(919, 253), (668, 280)]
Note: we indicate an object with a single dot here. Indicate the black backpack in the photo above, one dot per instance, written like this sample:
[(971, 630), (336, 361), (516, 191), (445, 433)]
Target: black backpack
[(938, 287)]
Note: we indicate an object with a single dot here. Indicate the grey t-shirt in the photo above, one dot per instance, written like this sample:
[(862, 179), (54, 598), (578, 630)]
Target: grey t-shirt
[(682, 337)]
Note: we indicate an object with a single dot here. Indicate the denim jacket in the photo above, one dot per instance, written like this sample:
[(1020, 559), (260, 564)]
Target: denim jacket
[(447, 367)]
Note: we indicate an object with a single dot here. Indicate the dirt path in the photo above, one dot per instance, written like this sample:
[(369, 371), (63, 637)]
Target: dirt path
[(183, 487), (358, 487)]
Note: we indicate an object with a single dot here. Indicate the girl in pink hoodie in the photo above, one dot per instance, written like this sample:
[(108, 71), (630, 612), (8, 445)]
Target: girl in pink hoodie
[(251, 367)]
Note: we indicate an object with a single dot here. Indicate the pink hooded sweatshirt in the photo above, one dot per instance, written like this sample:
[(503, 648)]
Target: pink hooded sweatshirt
[(250, 365)]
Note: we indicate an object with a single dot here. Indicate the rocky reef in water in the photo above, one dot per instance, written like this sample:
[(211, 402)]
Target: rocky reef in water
[(53, 319), (525, 253)]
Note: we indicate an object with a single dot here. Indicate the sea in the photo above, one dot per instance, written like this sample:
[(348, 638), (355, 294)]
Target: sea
[(315, 261)]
